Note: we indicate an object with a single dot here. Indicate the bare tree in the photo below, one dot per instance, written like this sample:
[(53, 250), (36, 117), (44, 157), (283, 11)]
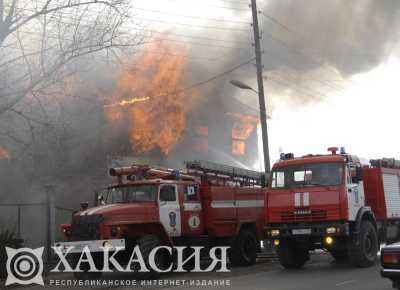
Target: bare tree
[(45, 47), (39, 39)]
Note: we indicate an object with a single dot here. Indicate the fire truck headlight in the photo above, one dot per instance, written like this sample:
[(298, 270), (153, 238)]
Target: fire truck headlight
[(66, 232), (275, 233), (331, 230), (114, 231), (329, 241)]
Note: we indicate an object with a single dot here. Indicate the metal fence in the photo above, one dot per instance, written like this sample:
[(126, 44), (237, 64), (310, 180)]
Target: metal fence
[(37, 224)]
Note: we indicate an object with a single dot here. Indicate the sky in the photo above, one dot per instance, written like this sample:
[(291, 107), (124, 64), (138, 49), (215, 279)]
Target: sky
[(362, 115), (363, 118)]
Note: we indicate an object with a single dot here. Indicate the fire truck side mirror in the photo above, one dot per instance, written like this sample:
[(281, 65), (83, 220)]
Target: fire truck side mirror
[(100, 200), (359, 175), (84, 205)]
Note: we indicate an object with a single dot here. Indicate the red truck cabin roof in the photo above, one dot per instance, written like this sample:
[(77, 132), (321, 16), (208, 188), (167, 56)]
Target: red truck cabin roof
[(152, 181), (310, 159)]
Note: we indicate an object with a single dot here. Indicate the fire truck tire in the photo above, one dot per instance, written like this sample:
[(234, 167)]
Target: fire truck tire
[(290, 256), (244, 249), (364, 253), (146, 244)]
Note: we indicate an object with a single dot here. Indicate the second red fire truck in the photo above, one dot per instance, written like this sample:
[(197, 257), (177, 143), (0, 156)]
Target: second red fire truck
[(332, 202)]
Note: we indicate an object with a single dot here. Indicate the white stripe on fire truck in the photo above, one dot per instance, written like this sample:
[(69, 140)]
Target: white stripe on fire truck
[(297, 199), (192, 206), (306, 199), (237, 203), (94, 210)]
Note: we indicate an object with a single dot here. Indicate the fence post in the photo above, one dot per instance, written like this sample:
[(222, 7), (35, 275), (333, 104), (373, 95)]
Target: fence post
[(19, 221), (51, 220)]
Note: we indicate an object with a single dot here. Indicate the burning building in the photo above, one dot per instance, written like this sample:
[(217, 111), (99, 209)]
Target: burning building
[(153, 117)]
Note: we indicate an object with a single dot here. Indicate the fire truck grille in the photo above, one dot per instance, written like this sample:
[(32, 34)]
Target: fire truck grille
[(86, 227), (304, 215)]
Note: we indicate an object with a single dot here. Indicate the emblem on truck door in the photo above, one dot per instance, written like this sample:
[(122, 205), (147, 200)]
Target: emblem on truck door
[(194, 222), (172, 219)]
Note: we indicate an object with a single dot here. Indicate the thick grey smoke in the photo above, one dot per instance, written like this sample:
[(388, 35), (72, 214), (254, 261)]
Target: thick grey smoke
[(312, 47), (352, 36)]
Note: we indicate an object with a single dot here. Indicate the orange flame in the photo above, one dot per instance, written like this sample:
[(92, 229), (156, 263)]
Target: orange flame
[(158, 120), (242, 129), (4, 154), (127, 102), (238, 147), (243, 125)]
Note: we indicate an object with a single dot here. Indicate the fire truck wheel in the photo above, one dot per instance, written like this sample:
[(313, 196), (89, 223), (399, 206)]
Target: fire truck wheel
[(244, 249), (290, 256), (146, 244), (364, 253)]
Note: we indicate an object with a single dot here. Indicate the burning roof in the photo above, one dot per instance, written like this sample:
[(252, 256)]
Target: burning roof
[(149, 96)]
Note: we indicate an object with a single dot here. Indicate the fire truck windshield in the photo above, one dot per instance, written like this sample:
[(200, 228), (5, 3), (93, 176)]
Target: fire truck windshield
[(131, 193), (308, 175)]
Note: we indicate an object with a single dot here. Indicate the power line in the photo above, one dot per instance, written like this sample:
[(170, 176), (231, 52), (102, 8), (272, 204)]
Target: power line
[(320, 81), (275, 21), (218, 7), (193, 25), (301, 53), (217, 76), (306, 91), (295, 51), (201, 44), (234, 2), (158, 52), (192, 17), (195, 37)]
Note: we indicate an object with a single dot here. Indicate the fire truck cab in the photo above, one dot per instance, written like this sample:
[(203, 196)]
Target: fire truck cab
[(331, 202), (208, 205)]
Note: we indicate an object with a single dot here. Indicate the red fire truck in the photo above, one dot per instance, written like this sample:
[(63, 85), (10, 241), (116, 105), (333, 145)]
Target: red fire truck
[(335, 203), (210, 204)]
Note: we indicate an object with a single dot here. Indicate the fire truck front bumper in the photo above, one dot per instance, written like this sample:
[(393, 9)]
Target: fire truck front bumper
[(312, 230), (93, 246)]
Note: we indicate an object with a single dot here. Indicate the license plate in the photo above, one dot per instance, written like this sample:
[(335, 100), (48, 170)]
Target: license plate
[(301, 232)]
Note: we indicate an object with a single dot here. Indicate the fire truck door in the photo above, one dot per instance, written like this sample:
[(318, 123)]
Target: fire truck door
[(192, 214), (170, 215), (355, 194)]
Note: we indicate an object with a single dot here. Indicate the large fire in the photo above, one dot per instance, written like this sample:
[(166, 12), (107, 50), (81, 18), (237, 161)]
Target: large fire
[(127, 102), (243, 127), (4, 154), (149, 95)]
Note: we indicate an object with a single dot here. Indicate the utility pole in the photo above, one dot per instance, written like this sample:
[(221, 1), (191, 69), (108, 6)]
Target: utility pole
[(260, 81)]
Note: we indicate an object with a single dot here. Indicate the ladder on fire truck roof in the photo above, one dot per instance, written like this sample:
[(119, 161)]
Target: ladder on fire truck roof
[(385, 162), (210, 170)]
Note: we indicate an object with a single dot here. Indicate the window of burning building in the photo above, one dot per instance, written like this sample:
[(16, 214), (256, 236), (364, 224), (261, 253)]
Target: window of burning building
[(243, 127), (238, 147)]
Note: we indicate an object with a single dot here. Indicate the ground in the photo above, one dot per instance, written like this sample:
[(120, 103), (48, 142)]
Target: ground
[(321, 273)]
